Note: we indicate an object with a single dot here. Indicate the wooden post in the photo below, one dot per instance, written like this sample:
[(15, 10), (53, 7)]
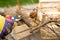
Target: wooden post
[(18, 7)]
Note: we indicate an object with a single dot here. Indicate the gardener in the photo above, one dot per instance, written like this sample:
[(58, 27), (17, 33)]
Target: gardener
[(5, 26)]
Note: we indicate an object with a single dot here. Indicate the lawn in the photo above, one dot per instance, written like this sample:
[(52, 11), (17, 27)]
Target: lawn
[(6, 3)]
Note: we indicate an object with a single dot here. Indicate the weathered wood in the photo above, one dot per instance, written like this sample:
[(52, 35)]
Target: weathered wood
[(43, 24), (20, 33), (23, 31)]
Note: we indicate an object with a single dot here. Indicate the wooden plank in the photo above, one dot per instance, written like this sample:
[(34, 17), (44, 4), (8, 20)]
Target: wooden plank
[(19, 32), (21, 28), (22, 35)]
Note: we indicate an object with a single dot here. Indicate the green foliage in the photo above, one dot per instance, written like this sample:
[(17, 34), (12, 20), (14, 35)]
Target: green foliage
[(7, 3)]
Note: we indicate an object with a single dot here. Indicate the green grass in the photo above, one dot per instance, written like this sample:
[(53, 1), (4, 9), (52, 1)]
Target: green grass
[(6, 3)]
